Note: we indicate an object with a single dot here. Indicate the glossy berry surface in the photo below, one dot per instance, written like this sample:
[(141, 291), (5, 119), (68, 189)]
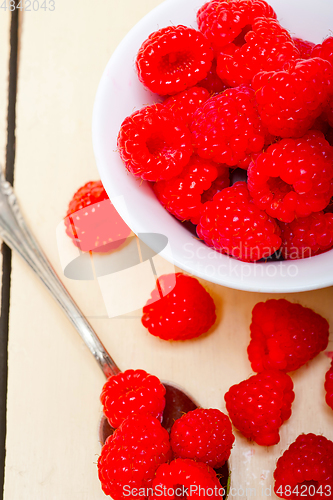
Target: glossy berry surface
[(307, 236), (329, 386), (232, 224), (227, 127), (290, 100), (179, 309), (184, 104), (92, 222), (305, 469), (224, 22), (132, 392), (173, 479), (294, 177), (153, 145), (285, 336), (258, 406), (324, 50), (203, 435), (304, 47), (267, 47), (173, 59), (131, 456)]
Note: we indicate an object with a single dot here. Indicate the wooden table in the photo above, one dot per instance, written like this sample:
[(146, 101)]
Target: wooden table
[(53, 407)]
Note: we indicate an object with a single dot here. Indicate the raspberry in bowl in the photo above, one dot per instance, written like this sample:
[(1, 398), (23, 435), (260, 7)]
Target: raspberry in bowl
[(121, 93)]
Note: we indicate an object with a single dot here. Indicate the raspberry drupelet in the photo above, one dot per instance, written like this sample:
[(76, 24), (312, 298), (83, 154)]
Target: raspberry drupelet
[(285, 336), (203, 435), (153, 144), (304, 47), (132, 392), (173, 59), (92, 222), (131, 456), (178, 310), (220, 183), (184, 104), (258, 406), (294, 177), (213, 82), (228, 21), (329, 386), (182, 195), (307, 236), (267, 47), (290, 100), (324, 50), (305, 469), (232, 224), (227, 127), (183, 475)]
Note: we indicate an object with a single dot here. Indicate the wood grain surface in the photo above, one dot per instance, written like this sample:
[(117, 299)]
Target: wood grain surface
[(54, 383)]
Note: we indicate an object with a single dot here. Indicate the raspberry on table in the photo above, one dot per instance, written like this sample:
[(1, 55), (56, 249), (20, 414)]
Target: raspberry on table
[(304, 47), (294, 177), (324, 50), (227, 127), (223, 22), (181, 476), (132, 392), (173, 59), (184, 104), (305, 469), (329, 386), (213, 82), (285, 336), (131, 456), (203, 435), (267, 47), (178, 311), (290, 100), (232, 224), (307, 236), (153, 145), (182, 195), (92, 222), (258, 406)]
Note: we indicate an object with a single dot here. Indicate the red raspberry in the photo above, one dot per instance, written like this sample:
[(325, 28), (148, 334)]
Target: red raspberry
[(134, 391), (234, 225), (324, 50), (173, 59), (307, 236), (131, 456), (259, 406), (228, 21), (182, 195), (304, 47), (305, 469), (220, 183), (203, 435), (186, 479), (92, 221), (294, 177), (184, 104), (213, 82), (227, 127), (184, 311), (328, 112), (267, 48), (153, 145), (290, 100), (329, 386), (285, 336)]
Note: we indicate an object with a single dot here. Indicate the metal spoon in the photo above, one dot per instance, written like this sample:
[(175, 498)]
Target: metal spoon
[(16, 234)]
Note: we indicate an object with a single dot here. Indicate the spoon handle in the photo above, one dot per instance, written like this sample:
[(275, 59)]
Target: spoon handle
[(16, 234)]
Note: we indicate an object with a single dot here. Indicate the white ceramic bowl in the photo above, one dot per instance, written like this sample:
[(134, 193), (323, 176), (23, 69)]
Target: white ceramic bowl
[(120, 93)]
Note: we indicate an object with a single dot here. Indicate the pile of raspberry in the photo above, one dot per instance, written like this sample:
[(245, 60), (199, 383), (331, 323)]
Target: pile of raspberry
[(239, 92), (141, 459)]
